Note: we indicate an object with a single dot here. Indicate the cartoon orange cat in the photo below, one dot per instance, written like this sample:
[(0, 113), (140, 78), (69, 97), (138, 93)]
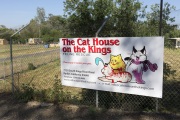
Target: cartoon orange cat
[(114, 71), (117, 64)]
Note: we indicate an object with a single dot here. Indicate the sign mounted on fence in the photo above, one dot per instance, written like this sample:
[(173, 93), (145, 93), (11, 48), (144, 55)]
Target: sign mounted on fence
[(132, 65)]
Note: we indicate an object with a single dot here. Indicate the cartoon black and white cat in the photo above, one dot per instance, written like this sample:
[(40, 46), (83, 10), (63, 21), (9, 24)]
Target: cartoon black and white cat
[(137, 63)]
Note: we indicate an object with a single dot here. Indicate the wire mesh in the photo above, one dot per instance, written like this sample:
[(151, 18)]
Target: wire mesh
[(39, 67)]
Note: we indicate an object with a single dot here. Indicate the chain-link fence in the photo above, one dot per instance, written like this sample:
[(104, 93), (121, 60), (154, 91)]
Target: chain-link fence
[(37, 69), (25, 58)]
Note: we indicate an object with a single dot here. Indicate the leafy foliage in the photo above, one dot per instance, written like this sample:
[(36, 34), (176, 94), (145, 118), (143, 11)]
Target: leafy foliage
[(86, 17), (5, 32), (31, 66), (83, 18), (26, 94)]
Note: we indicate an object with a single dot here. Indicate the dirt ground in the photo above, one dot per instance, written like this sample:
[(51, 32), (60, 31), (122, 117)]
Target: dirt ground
[(10, 109)]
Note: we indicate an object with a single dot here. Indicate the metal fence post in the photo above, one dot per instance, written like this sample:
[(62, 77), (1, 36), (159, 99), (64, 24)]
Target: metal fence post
[(96, 35), (160, 34), (11, 59), (97, 99), (21, 64), (157, 106), (4, 69)]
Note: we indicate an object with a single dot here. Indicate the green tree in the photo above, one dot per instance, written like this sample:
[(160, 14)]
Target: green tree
[(79, 17), (168, 30), (31, 31), (5, 32), (125, 17), (86, 16), (53, 29), (41, 15), (153, 19)]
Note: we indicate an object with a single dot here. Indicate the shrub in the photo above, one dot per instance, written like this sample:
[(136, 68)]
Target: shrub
[(31, 66), (27, 93)]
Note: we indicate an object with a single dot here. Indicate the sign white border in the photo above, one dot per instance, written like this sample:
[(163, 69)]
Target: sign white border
[(83, 59)]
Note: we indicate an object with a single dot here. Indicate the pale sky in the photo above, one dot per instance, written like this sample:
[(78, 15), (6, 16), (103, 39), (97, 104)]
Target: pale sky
[(15, 13)]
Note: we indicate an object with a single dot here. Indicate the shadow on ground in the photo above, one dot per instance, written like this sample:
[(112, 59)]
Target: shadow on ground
[(12, 109)]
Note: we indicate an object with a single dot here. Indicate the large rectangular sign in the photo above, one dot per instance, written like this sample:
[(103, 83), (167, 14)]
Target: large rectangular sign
[(132, 65)]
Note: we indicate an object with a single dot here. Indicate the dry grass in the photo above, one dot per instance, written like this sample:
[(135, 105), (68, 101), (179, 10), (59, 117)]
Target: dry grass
[(22, 50), (172, 60), (43, 76), (21, 63)]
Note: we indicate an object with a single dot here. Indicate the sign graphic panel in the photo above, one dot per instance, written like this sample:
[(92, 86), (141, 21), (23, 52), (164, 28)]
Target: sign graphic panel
[(132, 65)]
